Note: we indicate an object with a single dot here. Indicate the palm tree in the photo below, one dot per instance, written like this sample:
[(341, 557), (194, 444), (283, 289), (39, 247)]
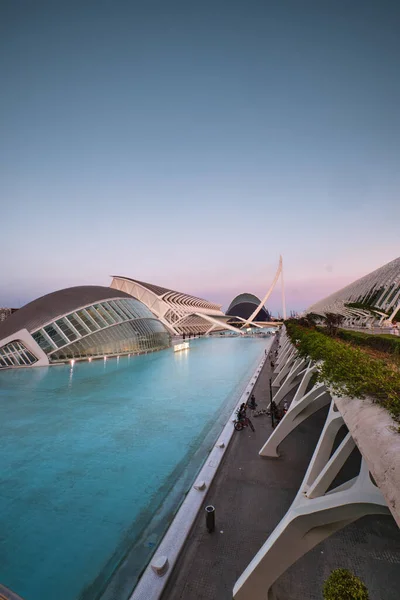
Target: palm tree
[(333, 322)]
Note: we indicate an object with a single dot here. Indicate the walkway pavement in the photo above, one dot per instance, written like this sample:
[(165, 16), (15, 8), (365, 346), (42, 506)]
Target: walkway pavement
[(251, 495)]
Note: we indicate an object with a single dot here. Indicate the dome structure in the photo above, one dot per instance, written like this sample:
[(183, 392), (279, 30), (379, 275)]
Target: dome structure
[(79, 322), (244, 305)]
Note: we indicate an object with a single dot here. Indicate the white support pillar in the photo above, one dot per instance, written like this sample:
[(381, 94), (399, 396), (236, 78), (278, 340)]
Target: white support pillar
[(211, 329), (285, 368), (395, 310), (292, 380), (323, 449), (298, 412), (283, 354), (306, 524), (301, 390), (312, 519), (332, 468)]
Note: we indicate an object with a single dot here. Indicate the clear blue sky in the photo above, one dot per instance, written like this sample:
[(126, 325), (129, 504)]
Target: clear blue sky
[(190, 143)]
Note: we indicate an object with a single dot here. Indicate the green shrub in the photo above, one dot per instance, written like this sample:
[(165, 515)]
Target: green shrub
[(348, 370), (384, 343), (343, 585)]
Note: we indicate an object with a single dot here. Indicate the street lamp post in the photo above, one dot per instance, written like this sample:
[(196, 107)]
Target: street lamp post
[(270, 403)]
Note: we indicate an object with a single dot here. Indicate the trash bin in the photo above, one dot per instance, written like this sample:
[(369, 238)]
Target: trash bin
[(210, 518)]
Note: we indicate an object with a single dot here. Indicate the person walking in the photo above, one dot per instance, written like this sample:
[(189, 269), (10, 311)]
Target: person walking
[(252, 404)]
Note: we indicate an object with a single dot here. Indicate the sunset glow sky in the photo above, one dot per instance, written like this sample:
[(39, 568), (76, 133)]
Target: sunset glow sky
[(189, 144)]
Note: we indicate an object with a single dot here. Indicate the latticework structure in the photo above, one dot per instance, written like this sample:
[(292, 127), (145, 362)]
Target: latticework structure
[(373, 299)]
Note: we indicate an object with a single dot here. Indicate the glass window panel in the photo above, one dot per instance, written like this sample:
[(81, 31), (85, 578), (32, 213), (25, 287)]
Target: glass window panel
[(92, 326), (135, 308), (96, 317), (21, 358), (107, 316), (43, 342), (124, 309), (66, 329), (30, 356), (78, 325), (114, 313), (120, 339), (142, 309), (117, 307), (15, 355), (55, 336), (130, 308)]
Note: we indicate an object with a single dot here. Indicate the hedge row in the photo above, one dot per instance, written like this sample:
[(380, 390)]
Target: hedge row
[(348, 370), (385, 343)]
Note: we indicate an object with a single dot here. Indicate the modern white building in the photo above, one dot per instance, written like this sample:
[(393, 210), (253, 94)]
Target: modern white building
[(79, 323), (179, 312), (372, 300)]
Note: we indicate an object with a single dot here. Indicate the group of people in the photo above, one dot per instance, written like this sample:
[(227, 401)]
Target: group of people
[(272, 361), (278, 413), (250, 404)]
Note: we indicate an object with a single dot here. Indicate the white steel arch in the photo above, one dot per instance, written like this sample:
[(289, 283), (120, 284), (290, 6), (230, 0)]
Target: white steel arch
[(267, 295)]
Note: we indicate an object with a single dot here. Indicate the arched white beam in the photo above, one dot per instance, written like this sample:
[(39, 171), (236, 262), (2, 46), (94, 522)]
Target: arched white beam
[(267, 295), (302, 406), (287, 352), (219, 324), (282, 370), (314, 515), (307, 523), (292, 381), (397, 308)]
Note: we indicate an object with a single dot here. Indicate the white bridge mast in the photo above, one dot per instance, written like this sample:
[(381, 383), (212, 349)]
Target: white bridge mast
[(267, 295)]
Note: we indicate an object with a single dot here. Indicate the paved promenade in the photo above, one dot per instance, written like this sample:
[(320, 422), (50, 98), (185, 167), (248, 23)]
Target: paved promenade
[(251, 495)]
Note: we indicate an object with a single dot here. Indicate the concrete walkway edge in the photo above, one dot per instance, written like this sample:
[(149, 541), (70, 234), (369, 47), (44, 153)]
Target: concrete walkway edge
[(151, 585)]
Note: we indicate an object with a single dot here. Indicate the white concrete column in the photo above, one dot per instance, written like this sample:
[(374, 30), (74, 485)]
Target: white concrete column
[(332, 468), (293, 379), (306, 524), (284, 369), (298, 412), (323, 449), (287, 352)]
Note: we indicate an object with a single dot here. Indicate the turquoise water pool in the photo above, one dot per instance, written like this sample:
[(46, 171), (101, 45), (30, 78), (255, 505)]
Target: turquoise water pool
[(95, 459)]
